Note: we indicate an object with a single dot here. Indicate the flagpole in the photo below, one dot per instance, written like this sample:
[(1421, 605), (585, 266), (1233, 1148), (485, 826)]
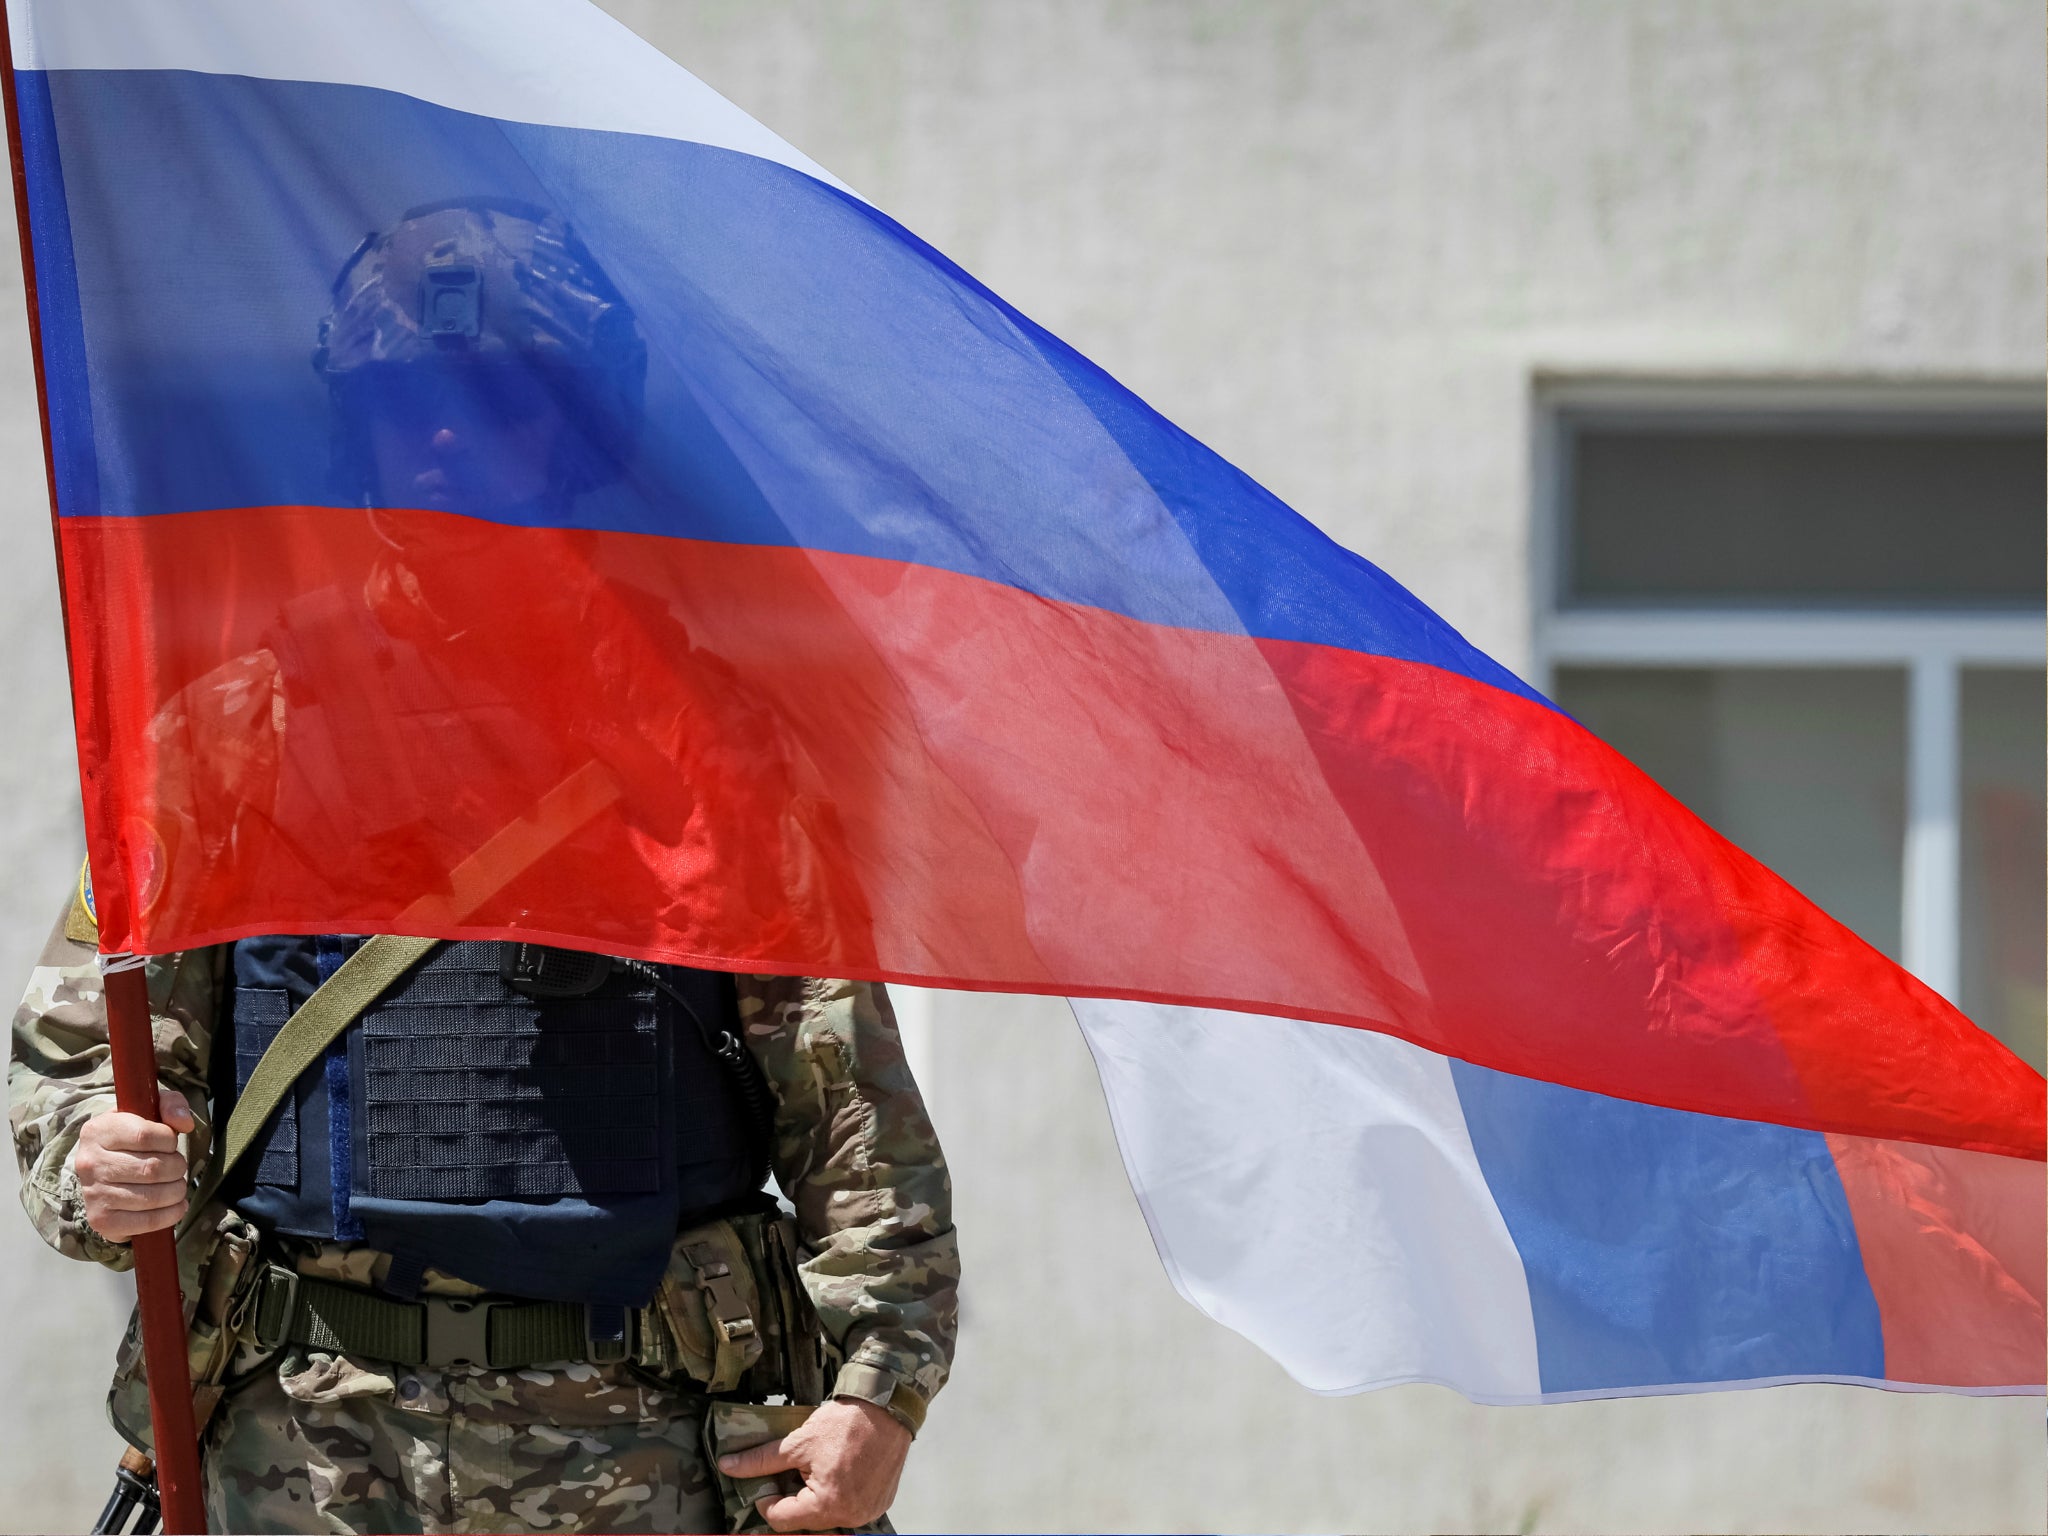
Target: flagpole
[(130, 1039)]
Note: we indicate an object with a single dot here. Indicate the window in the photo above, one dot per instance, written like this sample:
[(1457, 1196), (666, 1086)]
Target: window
[(1818, 621)]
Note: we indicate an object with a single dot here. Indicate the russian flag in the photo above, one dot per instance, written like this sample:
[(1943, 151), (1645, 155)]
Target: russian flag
[(897, 640)]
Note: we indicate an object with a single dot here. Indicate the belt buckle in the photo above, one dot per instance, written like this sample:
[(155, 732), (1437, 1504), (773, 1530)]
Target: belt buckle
[(457, 1331), (287, 1311), (604, 1346)]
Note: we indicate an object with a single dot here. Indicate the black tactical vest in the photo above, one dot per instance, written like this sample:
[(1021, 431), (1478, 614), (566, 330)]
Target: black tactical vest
[(543, 1146)]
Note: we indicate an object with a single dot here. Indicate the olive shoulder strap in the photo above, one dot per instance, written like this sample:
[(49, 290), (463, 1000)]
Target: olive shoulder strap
[(335, 1004)]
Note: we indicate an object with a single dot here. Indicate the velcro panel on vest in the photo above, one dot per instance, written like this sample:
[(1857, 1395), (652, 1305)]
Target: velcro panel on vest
[(474, 1092), (260, 1013)]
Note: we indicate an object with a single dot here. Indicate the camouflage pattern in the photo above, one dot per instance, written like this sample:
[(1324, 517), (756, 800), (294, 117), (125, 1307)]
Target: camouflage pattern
[(219, 1263), (59, 1075), (742, 1426), (541, 298), (857, 1156), (341, 1443), (326, 1443), (730, 1427)]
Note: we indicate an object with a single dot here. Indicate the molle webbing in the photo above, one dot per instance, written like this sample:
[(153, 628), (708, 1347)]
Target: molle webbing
[(335, 1004), (540, 1135), (260, 1013), (474, 1093)]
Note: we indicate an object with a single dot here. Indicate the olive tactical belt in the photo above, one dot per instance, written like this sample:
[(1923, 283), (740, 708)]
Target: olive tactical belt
[(443, 1331)]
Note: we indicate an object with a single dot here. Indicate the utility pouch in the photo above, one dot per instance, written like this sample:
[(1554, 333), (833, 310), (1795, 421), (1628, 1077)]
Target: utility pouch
[(218, 1272), (730, 1427), (737, 1313), (711, 1300), (798, 1362)]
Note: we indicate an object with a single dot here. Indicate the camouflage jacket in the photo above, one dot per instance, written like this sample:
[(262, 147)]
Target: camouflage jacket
[(854, 1150)]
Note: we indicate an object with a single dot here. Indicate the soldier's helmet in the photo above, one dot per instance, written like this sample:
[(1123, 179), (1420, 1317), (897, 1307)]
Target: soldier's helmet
[(500, 303)]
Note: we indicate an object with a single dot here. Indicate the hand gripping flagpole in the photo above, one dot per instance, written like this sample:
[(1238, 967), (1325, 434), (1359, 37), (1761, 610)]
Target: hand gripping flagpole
[(130, 1038)]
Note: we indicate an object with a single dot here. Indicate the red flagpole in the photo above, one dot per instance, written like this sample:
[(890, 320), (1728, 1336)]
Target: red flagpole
[(130, 1038), (173, 1434)]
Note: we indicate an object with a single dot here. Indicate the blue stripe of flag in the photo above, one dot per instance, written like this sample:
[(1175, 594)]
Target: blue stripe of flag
[(1663, 1247), (818, 377)]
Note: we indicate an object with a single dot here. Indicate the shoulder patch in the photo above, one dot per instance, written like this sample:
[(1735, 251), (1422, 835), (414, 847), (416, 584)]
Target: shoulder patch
[(82, 922)]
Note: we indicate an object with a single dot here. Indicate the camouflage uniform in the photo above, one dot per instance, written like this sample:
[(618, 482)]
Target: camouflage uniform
[(312, 1441)]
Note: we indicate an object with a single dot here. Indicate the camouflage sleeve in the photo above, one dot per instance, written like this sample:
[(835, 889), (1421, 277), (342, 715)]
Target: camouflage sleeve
[(59, 1075), (857, 1156)]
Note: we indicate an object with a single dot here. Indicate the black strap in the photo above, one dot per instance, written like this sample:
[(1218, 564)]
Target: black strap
[(741, 1067)]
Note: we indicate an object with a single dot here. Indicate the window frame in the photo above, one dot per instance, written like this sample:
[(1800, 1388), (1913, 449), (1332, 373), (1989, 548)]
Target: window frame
[(1931, 645)]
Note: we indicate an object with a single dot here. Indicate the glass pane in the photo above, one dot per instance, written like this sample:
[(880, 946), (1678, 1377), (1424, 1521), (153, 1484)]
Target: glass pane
[(2005, 725), (1803, 768), (1848, 512)]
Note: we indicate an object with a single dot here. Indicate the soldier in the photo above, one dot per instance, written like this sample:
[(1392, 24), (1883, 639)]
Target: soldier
[(500, 1259)]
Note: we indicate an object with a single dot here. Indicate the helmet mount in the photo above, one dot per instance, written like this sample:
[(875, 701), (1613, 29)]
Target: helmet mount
[(496, 310)]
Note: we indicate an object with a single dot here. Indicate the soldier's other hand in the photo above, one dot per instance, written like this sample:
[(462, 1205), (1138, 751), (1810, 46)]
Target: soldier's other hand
[(130, 1170), (850, 1454)]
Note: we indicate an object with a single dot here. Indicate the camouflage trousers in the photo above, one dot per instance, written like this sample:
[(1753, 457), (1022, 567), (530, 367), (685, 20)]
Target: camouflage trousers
[(329, 1443)]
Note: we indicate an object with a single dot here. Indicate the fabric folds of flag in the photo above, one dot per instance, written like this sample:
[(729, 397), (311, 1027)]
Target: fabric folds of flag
[(873, 631)]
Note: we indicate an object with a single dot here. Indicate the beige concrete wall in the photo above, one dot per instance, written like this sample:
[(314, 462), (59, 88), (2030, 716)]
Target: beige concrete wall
[(1337, 242)]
